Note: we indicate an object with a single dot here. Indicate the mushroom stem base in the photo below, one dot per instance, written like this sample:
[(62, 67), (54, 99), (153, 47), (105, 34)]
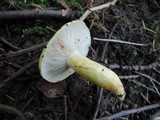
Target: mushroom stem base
[(97, 74)]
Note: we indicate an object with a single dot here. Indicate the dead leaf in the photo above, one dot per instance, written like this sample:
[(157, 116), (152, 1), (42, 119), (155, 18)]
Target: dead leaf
[(52, 90)]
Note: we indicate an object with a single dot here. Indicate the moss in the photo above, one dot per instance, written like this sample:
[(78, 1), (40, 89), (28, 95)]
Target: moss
[(75, 4)]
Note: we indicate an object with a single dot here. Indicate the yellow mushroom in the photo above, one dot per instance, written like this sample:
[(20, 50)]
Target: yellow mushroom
[(66, 53)]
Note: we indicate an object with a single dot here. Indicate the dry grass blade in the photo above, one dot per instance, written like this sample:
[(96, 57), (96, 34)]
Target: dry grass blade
[(119, 41)]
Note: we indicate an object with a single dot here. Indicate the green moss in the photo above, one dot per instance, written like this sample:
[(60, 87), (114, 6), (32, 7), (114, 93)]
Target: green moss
[(39, 30), (133, 90), (42, 3), (75, 4)]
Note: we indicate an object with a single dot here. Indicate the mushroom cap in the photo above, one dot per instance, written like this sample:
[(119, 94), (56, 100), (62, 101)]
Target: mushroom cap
[(72, 37)]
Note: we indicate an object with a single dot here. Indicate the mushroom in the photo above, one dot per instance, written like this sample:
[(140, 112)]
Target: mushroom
[(66, 53)]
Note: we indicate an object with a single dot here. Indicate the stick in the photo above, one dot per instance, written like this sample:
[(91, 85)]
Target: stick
[(37, 14), (16, 53), (145, 28), (106, 44), (147, 76), (98, 103), (107, 5), (9, 44), (65, 107), (12, 110), (151, 80), (155, 115), (146, 99), (142, 85), (119, 41), (132, 111), (156, 70), (18, 73)]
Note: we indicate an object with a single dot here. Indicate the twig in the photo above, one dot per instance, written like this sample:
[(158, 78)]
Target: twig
[(135, 67), (154, 15), (37, 6), (147, 76), (9, 44), (65, 107), (98, 103), (12, 110), (22, 51), (12, 64), (28, 102), (106, 44), (113, 29), (147, 28), (155, 87), (47, 27), (129, 76), (37, 14), (156, 70), (151, 80), (131, 111), (119, 41), (155, 115), (146, 99), (15, 65), (107, 5), (10, 38), (11, 98), (144, 86), (18, 73), (75, 106)]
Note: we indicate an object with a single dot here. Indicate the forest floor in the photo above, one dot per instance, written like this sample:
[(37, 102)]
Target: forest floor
[(22, 41)]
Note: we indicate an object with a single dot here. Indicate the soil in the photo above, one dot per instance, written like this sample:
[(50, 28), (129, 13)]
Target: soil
[(78, 99)]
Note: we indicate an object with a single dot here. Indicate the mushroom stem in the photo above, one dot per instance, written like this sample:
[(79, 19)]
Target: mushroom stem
[(97, 74)]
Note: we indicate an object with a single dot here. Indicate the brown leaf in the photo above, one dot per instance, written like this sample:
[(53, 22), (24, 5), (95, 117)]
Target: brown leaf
[(52, 90)]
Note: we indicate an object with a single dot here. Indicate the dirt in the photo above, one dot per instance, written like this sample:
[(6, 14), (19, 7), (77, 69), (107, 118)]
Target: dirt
[(123, 22)]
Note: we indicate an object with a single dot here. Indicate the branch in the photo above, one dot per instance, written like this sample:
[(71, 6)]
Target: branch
[(37, 14), (132, 111)]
